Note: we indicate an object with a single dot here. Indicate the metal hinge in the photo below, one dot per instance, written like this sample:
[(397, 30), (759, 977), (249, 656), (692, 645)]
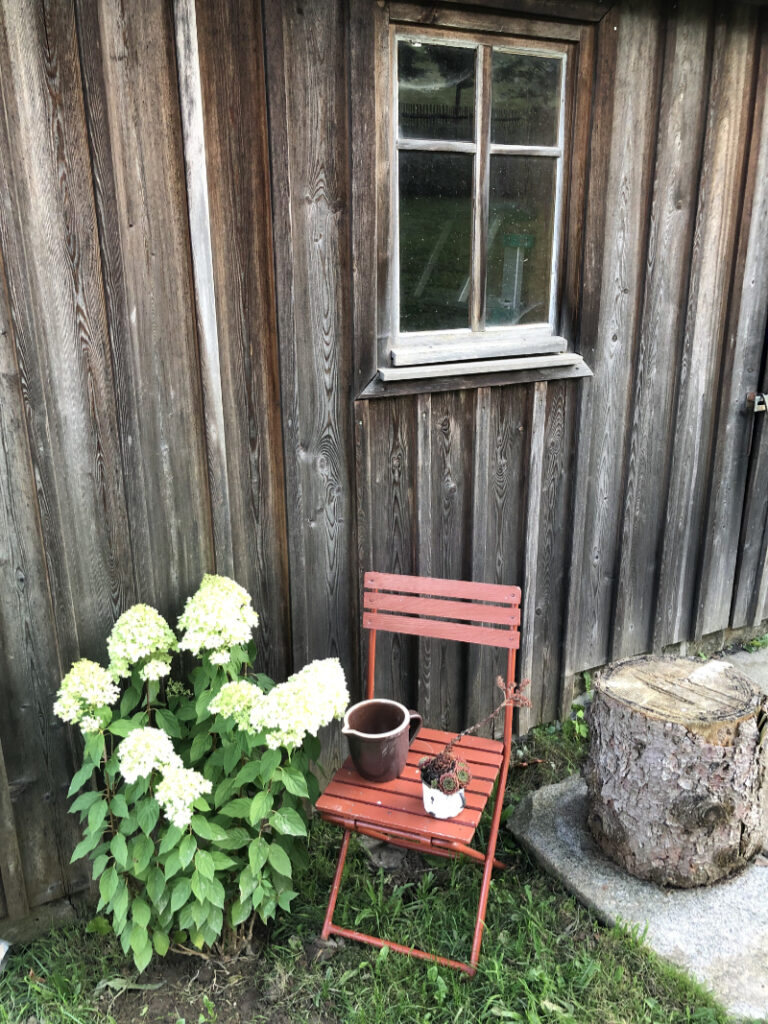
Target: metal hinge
[(758, 401)]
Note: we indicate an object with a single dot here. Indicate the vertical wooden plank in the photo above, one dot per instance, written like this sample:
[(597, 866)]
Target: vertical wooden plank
[(390, 426), (678, 159), (237, 158), (36, 756), (49, 236), (193, 136), (711, 275), (132, 108), (526, 716), (742, 358), (606, 410), (424, 553), (307, 80), (479, 661)]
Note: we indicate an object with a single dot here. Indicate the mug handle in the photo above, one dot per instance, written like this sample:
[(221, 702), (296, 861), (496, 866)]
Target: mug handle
[(415, 725)]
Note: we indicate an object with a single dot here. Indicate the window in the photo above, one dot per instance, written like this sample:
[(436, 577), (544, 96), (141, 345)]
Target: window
[(478, 179)]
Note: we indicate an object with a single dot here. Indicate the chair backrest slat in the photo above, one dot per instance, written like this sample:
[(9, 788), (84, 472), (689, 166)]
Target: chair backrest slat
[(445, 609)]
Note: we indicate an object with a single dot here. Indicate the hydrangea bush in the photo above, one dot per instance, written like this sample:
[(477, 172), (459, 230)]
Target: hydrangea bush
[(194, 791)]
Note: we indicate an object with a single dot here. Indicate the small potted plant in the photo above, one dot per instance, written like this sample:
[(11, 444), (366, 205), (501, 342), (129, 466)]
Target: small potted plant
[(444, 776)]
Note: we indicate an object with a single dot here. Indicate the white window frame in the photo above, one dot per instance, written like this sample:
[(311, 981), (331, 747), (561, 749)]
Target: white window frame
[(477, 348)]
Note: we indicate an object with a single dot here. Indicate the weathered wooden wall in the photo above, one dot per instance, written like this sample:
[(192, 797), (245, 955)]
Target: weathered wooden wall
[(188, 284)]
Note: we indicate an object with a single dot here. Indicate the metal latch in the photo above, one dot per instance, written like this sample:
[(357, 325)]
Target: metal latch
[(758, 401)]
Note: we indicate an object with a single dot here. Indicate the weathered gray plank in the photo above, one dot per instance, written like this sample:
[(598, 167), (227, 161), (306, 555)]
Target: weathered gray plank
[(610, 350), (193, 136), (132, 109), (308, 141), (50, 241), (36, 756), (678, 159), (711, 269), (742, 357), (234, 105)]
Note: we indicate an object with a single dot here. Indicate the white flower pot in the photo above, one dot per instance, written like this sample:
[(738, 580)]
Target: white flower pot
[(442, 805)]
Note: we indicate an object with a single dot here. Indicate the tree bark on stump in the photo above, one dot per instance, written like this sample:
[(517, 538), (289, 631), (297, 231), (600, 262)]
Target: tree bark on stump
[(677, 772)]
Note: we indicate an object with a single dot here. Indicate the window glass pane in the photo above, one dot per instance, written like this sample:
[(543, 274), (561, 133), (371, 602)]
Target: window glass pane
[(525, 109), (436, 91), (520, 223), (435, 239)]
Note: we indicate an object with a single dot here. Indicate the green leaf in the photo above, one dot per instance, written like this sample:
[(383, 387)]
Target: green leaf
[(187, 848), (204, 864), (208, 829), (312, 747), (236, 808), (81, 776), (199, 886), (257, 854), (129, 700), (96, 815), (140, 912), (94, 747), (161, 942), (285, 897), (279, 860), (270, 762), (240, 911), (180, 893), (128, 825), (201, 804), (224, 791), (98, 926), (156, 885), (142, 952), (234, 838), (99, 864), (172, 836), (221, 861), (120, 901), (247, 774), (294, 782), (88, 843), (118, 805), (108, 884), (122, 726), (172, 864), (201, 744), (119, 850), (232, 754), (288, 822), (261, 805), (147, 813), (140, 851), (216, 893), (84, 801), (167, 721)]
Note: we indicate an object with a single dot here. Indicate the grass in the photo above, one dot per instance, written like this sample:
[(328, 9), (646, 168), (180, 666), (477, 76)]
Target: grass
[(545, 959)]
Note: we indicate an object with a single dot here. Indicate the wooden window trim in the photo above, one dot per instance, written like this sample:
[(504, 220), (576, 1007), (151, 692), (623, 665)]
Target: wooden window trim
[(372, 109)]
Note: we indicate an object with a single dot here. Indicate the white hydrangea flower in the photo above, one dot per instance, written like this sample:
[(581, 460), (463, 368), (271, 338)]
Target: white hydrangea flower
[(220, 657), (236, 700), (178, 790), (89, 723), (145, 749), (217, 617), (303, 704), (140, 633), (84, 688), (155, 669)]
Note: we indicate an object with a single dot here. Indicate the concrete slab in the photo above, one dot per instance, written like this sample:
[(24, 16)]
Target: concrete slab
[(753, 664), (718, 933)]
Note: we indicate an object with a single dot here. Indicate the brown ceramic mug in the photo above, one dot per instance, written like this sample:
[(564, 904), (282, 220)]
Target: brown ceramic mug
[(379, 732)]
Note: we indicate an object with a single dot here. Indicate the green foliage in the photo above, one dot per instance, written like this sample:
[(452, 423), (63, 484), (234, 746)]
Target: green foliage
[(166, 874)]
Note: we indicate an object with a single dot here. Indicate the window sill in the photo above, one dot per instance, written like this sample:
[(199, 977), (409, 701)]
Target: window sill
[(407, 380)]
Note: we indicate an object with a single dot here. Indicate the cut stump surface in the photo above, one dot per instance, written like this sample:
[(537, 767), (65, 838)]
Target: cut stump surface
[(677, 769)]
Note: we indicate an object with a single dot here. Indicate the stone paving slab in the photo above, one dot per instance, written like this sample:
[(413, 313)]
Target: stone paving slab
[(752, 663), (718, 933)]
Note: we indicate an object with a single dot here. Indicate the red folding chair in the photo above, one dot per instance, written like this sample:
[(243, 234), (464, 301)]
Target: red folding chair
[(480, 613)]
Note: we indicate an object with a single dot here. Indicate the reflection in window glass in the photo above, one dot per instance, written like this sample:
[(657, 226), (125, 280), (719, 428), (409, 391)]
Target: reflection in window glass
[(435, 240), (520, 221), (436, 91), (525, 108)]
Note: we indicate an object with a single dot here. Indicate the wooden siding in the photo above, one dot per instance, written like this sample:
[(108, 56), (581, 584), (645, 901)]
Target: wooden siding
[(190, 272)]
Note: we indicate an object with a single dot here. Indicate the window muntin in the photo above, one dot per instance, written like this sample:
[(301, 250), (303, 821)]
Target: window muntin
[(479, 270)]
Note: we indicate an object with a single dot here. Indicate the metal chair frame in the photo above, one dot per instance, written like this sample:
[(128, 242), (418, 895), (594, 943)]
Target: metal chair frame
[(481, 613)]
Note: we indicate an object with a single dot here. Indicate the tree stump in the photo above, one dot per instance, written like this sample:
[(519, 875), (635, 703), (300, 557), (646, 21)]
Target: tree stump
[(677, 769)]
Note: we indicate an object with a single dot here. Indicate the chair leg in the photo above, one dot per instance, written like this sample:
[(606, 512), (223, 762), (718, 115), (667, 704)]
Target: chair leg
[(328, 923)]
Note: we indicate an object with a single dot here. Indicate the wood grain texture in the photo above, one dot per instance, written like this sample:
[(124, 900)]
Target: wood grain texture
[(132, 109), (36, 753), (50, 240), (193, 138), (611, 351), (675, 187), (711, 273), (310, 193), (234, 105), (743, 354)]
